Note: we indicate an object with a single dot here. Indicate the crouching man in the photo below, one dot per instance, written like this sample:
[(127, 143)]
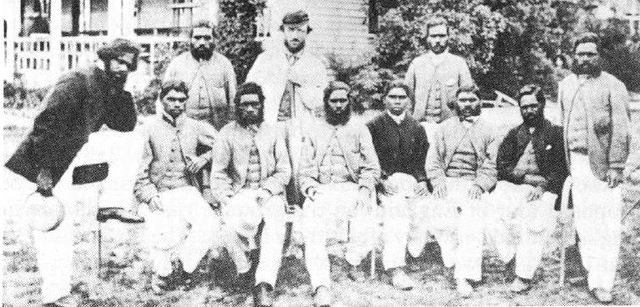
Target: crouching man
[(531, 169), (250, 168), (401, 144), (338, 175), (166, 183), (461, 168)]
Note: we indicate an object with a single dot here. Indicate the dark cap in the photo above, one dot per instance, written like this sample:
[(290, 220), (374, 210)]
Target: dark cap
[(117, 48), (296, 17)]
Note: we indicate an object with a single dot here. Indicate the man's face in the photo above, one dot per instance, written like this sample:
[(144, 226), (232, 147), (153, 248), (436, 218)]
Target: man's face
[(295, 36), (174, 103), (437, 38), (250, 109), (396, 100), (467, 105), (202, 42), (338, 101), (531, 110), (587, 59), (117, 69)]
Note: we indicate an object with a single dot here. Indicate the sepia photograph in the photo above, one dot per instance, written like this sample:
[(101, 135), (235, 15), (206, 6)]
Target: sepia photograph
[(320, 153)]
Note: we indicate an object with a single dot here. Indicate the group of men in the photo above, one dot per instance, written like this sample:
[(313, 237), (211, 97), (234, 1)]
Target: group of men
[(286, 138)]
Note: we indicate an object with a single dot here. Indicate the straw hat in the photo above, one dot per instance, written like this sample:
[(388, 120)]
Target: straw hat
[(44, 213)]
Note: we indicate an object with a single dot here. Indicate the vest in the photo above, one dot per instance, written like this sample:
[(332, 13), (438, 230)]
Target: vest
[(528, 162), (464, 161), (333, 168), (253, 169), (577, 130)]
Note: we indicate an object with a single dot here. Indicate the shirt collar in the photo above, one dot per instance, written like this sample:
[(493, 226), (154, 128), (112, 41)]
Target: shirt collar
[(398, 118), (293, 57), (176, 123)]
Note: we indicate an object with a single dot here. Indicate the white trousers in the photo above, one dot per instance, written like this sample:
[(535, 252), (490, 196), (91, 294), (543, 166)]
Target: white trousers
[(404, 228), (335, 204), (597, 212), (186, 205), (271, 241), (54, 249), (457, 223), (517, 227)]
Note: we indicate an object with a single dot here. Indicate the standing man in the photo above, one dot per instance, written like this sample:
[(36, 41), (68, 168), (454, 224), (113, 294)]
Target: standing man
[(167, 184), (531, 171), (401, 145), (462, 169), (209, 76), (79, 104), (250, 168), (292, 79), (595, 117), (338, 176), (435, 77)]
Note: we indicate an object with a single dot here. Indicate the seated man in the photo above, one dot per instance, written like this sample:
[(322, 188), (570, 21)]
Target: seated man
[(461, 168), (401, 144), (166, 183), (338, 174), (250, 168), (531, 169)]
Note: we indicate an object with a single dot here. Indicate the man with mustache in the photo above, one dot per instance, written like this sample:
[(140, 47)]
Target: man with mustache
[(401, 145), (531, 172), (435, 77), (595, 118), (338, 175), (64, 135), (167, 185), (292, 79), (461, 167), (250, 168)]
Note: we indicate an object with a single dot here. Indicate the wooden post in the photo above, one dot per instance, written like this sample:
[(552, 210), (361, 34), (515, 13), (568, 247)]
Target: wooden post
[(128, 18), (114, 13), (55, 35), (85, 16)]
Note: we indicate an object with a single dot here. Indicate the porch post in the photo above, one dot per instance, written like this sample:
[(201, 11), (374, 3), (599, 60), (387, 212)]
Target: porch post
[(13, 28), (114, 14), (55, 34), (85, 15), (214, 10), (128, 18)]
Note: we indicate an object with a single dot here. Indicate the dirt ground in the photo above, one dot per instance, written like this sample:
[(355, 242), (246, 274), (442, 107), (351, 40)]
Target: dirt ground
[(124, 278)]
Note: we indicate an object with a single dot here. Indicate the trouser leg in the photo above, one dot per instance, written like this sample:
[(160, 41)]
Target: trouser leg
[(418, 227), (395, 230), (271, 241), (315, 239), (470, 238)]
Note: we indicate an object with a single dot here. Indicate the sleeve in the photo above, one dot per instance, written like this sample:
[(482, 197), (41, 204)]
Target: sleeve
[(220, 160), (507, 158), (122, 112), (370, 169), (422, 147), (619, 150), (282, 175), (487, 176), (206, 136), (308, 167), (63, 102), (465, 74), (410, 78), (144, 189), (230, 85), (559, 170), (435, 159)]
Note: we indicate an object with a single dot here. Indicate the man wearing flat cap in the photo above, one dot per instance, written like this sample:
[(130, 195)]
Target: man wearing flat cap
[(54, 156), (293, 81)]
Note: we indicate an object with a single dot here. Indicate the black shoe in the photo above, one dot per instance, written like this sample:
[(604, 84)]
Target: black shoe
[(119, 214), (262, 295)]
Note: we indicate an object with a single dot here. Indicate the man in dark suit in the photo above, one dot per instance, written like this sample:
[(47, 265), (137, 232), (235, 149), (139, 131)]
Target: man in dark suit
[(401, 145), (80, 103), (531, 170)]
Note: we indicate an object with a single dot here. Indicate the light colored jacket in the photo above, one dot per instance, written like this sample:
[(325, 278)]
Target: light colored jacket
[(452, 73), (229, 165), (447, 139), (607, 102), (164, 151), (271, 71), (219, 84), (356, 144)]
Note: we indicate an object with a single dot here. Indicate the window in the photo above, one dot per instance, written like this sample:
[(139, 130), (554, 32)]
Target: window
[(182, 13)]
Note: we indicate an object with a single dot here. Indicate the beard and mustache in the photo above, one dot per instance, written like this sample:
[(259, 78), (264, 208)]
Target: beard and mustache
[(295, 49), (468, 111), (438, 48), (246, 119), (587, 68), (337, 117), (202, 52), (115, 79), (533, 120)]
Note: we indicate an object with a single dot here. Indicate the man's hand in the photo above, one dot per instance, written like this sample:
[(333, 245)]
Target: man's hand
[(421, 189), (195, 164), (440, 191), (224, 201), (263, 195), (534, 180), (312, 193), (155, 204), (518, 172), (535, 194), (364, 198), (389, 188), (475, 192), (614, 178), (44, 181)]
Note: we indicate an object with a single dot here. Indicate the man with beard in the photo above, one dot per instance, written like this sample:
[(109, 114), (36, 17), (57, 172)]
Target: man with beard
[(209, 75), (338, 174), (531, 172), (461, 167), (167, 185), (401, 145), (250, 168), (435, 77), (595, 118), (292, 79), (79, 104)]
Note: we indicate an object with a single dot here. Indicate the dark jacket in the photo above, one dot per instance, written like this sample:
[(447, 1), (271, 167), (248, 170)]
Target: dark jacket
[(400, 148), (77, 105), (548, 146)]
